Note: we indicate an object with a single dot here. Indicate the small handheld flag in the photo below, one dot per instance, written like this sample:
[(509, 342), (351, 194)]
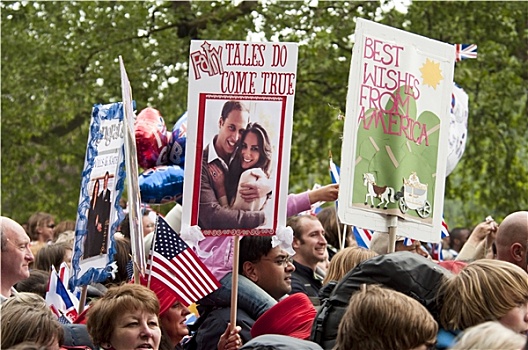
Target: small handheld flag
[(175, 268), (363, 236)]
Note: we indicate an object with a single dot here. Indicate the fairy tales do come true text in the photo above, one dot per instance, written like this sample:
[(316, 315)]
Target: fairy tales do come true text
[(382, 79), (210, 61)]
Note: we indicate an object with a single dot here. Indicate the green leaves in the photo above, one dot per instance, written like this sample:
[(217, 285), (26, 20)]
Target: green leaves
[(59, 58)]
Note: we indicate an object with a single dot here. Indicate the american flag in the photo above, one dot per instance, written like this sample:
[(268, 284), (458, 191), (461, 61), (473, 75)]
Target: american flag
[(175, 268), (463, 51), (363, 236)]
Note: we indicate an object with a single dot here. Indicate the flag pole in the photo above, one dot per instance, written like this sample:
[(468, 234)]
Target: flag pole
[(152, 245), (82, 300), (234, 281), (341, 241)]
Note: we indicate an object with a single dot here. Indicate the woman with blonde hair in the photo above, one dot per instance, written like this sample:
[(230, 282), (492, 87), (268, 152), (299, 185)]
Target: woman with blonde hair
[(345, 260), (489, 335), (485, 290), (26, 317)]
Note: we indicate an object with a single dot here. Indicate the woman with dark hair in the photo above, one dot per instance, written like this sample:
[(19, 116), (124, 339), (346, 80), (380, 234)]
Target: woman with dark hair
[(251, 164)]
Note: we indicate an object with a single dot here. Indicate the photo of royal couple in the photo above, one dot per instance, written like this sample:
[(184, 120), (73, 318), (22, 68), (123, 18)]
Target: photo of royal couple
[(236, 172)]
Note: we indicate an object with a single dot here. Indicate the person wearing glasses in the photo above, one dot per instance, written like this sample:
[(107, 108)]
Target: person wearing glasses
[(264, 270), (41, 230), (15, 256)]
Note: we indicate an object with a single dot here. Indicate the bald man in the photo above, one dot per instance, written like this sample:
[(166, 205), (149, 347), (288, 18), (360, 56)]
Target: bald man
[(512, 239), (15, 255)]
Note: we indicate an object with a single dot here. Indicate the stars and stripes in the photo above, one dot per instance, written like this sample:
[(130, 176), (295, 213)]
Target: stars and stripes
[(175, 268), (463, 51)]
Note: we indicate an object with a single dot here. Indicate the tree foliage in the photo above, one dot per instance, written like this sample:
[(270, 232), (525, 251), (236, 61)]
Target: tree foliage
[(60, 58)]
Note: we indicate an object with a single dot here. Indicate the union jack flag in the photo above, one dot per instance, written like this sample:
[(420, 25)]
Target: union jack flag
[(436, 251), (63, 303), (363, 236), (463, 51)]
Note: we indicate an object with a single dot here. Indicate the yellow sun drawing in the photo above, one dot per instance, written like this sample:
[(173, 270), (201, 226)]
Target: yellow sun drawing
[(431, 73)]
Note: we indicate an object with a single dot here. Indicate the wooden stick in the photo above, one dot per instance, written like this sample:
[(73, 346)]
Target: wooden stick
[(234, 282), (393, 224), (343, 242), (82, 301)]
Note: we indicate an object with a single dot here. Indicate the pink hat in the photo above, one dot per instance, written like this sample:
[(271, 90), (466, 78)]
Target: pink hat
[(292, 316)]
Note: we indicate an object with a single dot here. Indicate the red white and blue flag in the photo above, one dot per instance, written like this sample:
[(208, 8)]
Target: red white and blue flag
[(334, 172), (463, 51), (363, 236), (445, 230), (174, 267), (63, 303)]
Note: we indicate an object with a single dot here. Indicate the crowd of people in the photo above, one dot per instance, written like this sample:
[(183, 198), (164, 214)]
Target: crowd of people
[(476, 297), (484, 292)]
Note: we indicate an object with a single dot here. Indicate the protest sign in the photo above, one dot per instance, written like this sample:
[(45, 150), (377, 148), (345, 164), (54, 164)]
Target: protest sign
[(102, 184), (240, 112), (393, 159)]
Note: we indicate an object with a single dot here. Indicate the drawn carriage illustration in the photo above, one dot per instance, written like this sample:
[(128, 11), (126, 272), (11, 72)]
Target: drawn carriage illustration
[(413, 195)]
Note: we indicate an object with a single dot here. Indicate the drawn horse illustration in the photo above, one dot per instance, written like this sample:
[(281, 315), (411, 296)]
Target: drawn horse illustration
[(384, 193)]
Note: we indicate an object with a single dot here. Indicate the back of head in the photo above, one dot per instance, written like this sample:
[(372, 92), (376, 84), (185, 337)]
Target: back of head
[(67, 237), (37, 283), (122, 258), (51, 255), (405, 272), (63, 226), (380, 318), (102, 314), (489, 335), (21, 322), (484, 290), (279, 342), (512, 239), (26, 299), (345, 260), (380, 243), (329, 220)]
